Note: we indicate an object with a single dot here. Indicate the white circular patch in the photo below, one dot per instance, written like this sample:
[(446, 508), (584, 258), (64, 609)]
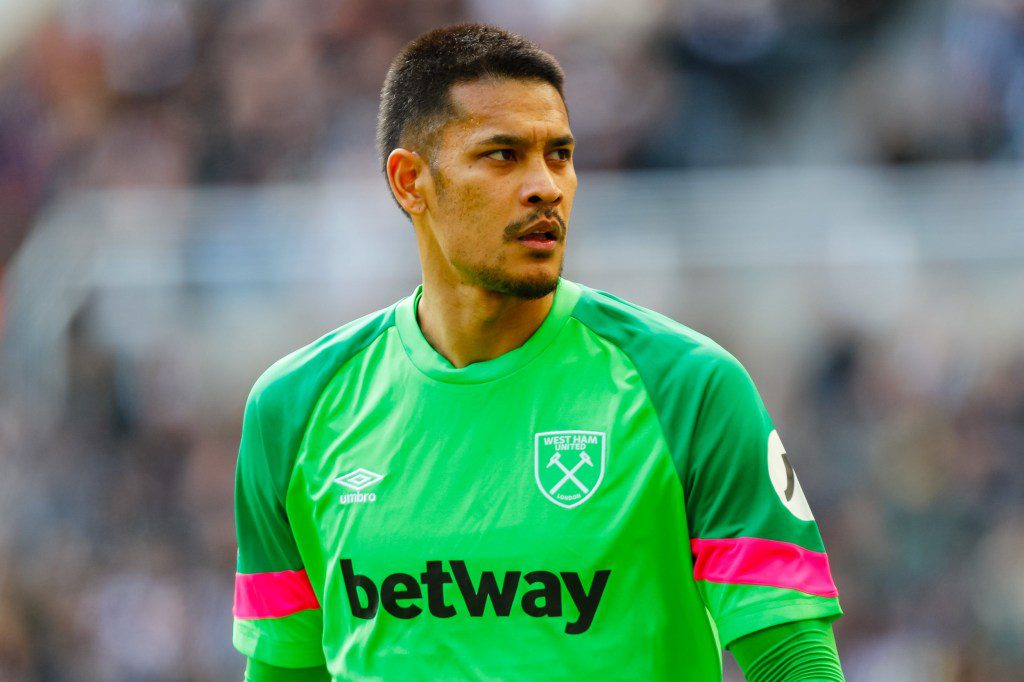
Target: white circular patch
[(787, 485)]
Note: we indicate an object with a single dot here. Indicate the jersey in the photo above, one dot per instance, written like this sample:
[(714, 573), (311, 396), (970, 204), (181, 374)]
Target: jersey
[(609, 501)]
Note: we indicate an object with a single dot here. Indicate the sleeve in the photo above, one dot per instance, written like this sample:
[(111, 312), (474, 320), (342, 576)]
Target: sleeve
[(793, 652), (277, 617), (758, 558)]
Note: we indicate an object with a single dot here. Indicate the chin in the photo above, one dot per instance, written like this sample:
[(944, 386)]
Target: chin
[(528, 287)]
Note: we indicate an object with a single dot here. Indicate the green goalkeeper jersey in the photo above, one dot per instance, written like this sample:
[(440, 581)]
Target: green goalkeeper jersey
[(608, 501)]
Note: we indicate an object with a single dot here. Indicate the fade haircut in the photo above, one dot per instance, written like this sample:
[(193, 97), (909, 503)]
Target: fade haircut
[(415, 102)]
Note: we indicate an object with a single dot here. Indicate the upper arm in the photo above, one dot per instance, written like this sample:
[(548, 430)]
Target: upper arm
[(758, 556), (277, 618)]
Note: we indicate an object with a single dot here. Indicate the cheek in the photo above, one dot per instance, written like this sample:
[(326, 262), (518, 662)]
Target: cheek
[(473, 210), (568, 196), (472, 226), (569, 189)]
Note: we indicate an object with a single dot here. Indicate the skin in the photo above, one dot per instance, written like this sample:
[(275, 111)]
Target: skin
[(501, 164)]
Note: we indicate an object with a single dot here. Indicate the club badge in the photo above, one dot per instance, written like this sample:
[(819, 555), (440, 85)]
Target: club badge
[(569, 465)]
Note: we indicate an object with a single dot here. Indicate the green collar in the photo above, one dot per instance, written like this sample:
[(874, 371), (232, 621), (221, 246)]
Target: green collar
[(434, 365)]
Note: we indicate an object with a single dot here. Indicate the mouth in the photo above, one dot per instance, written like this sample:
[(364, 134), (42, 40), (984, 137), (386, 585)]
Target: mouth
[(544, 233)]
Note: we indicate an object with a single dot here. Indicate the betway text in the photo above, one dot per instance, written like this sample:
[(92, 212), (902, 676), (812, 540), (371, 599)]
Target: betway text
[(401, 594)]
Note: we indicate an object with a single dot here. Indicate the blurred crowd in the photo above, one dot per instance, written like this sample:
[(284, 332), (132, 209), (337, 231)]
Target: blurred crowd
[(912, 453), (116, 531), (180, 92)]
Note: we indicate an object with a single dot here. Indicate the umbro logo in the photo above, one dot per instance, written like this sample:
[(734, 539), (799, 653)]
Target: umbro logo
[(358, 480)]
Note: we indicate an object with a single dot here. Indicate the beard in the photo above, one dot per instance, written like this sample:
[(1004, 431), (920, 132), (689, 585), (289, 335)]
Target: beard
[(498, 281)]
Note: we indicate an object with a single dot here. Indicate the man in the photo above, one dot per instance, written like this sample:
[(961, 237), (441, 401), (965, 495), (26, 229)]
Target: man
[(507, 475)]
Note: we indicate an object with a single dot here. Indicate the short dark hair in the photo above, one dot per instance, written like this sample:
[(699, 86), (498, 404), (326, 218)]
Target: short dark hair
[(415, 101)]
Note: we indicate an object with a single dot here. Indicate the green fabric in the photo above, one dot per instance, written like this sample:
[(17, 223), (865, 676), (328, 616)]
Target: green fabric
[(742, 609), (713, 419), (290, 642), (275, 420), (793, 652), (432, 509), (720, 437), (256, 671)]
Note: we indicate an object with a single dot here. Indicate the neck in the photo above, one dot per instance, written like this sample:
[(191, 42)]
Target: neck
[(467, 324)]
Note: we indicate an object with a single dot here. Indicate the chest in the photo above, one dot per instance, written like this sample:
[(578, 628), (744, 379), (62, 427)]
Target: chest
[(550, 470)]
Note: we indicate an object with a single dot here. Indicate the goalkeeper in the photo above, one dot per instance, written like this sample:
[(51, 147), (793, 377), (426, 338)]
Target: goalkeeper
[(508, 475)]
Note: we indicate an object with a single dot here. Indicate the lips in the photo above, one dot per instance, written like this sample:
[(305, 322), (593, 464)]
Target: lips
[(541, 232), (538, 237)]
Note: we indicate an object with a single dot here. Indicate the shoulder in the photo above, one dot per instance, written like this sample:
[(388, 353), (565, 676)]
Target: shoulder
[(300, 376), (695, 386), (657, 345)]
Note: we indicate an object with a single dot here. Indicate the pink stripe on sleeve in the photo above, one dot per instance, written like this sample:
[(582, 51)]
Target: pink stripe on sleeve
[(754, 561), (273, 595)]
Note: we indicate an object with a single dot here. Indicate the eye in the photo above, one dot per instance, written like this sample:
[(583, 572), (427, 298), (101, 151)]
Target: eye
[(501, 155), (563, 154)]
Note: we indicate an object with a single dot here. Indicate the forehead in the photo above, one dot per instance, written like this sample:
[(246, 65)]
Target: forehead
[(490, 106)]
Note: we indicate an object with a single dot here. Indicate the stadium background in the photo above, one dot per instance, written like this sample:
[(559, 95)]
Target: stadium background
[(832, 189)]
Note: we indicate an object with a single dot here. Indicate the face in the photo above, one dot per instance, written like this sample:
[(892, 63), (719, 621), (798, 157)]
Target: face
[(500, 189)]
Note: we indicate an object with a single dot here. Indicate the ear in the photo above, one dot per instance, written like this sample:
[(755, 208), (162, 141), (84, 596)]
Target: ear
[(405, 168)]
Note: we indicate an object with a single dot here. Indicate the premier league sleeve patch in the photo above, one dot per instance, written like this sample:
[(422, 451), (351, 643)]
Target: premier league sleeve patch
[(784, 480), (569, 465)]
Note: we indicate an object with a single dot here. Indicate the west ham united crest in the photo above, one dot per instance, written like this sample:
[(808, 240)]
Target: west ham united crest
[(569, 465)]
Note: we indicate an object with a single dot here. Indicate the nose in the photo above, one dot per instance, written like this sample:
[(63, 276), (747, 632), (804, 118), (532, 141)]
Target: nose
[(539, 187)]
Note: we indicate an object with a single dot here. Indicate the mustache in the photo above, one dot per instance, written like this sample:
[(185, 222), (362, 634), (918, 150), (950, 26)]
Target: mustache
[(513, 229)]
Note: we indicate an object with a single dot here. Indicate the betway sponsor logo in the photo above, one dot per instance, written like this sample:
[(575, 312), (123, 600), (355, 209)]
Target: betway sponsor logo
[(401, 595)]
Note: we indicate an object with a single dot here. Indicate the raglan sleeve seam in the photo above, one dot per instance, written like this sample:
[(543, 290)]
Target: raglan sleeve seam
[(646, 388)]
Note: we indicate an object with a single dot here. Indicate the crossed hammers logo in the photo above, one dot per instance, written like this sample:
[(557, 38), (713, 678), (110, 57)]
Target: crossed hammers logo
[(570, 474)]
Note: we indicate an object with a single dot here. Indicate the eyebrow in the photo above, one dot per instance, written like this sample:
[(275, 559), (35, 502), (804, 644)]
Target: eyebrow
[(517, 141)]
